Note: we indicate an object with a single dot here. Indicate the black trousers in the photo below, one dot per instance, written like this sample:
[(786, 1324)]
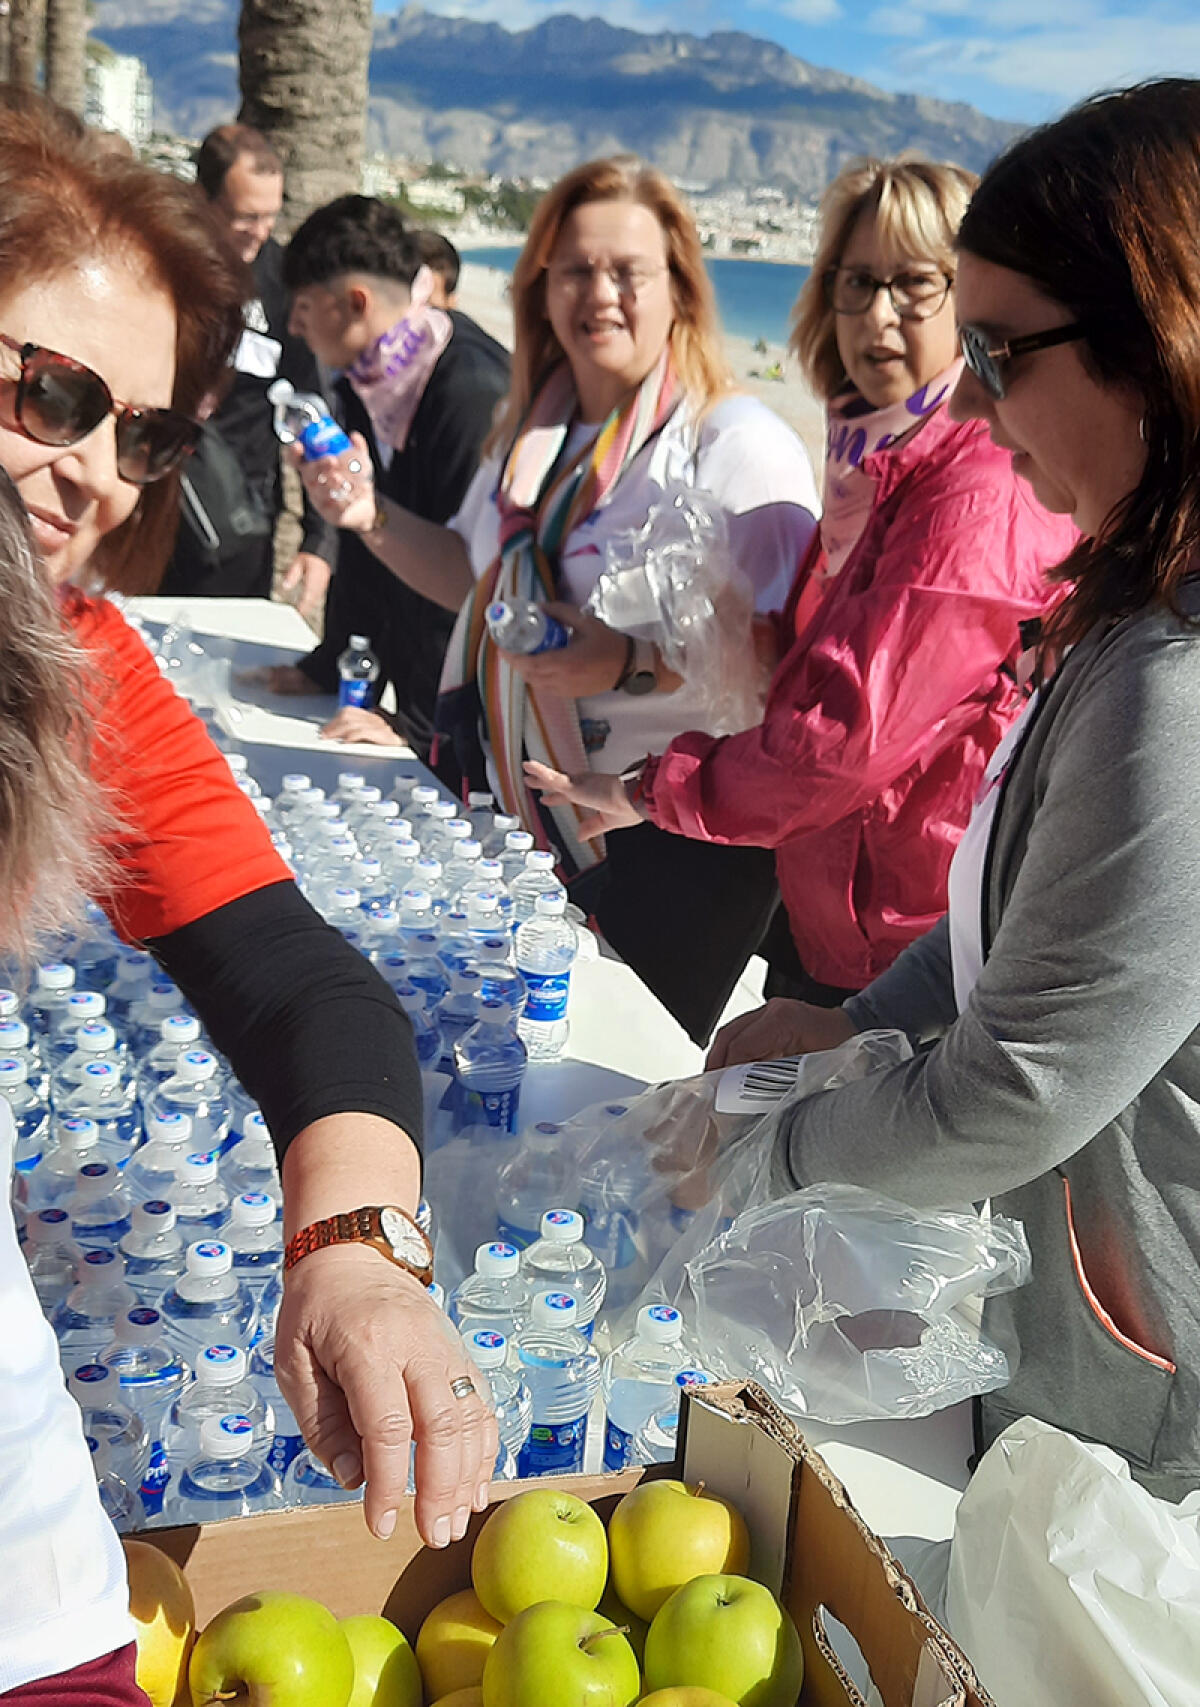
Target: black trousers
[(685, 915), (786, 975)]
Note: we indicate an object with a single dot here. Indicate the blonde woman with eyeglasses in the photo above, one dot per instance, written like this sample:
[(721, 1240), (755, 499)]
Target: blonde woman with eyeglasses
[(901, 641), (620, 386)]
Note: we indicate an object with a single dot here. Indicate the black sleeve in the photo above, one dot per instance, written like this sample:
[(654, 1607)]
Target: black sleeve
[(309, 1025)]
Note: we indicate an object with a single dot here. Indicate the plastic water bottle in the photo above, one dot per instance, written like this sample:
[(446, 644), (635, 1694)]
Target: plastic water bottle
[(208, 1304), (255, 1238), (176, 1034), (456, 946), (55, 981), (109, 1416), (228, 1477), (31, 1117), (18, 1044), (51, 1256), (99, 1207), (196, 1089), (536, 878), (424, 969), (222, 1383), (153, 1169), (287, 1439), (511, 1398), (517, 625), (358, 672), (80, 1006), (499, 979), (481, 809), (517, 843), (610, 1200), (366, 874), (537, 1179), (489, 1065), (250, 1165), (143, 1023), (72, 1143), (427, 1033), (494, 1296), (104, 1094), (561, 1262), (303, 418), (562, 1372), (121, 1505), (201, 1201), (85, 1320), (306, 1481), (546, 946), (153, 1249), (458, 1011), (656, 1442), (639, 1376), (152, 1377), (131, 980)]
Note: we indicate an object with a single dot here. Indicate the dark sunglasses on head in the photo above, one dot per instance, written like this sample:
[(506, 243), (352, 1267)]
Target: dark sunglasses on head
[(987, 359), (59, 402)]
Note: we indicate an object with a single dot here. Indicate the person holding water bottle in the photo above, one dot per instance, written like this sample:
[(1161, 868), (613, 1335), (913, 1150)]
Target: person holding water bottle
[(113, 287)]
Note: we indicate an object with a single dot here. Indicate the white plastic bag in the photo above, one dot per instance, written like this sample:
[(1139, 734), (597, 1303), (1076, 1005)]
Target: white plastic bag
[(1070, 1585), (674, 581)]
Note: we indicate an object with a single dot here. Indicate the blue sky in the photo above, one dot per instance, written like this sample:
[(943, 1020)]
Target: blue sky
[(1017, 59)]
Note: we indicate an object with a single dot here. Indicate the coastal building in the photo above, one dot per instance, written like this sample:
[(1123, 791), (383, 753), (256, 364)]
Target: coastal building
[(118, 94)]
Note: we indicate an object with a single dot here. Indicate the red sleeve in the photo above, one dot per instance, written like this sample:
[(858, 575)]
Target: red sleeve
[(897, 662), (187, 839)]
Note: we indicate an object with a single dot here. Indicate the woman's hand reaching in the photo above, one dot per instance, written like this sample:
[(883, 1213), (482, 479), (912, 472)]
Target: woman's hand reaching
[(605, 797)]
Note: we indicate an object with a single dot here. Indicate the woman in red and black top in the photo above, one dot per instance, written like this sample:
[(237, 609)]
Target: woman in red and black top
[(118, 307)]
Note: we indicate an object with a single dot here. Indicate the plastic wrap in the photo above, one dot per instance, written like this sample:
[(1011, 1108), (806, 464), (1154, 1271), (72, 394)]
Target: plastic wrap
[(674, 581)]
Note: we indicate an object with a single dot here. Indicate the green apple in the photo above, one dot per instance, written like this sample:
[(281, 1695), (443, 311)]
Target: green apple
[(555, 1655), (686, 1696), (453, 1644), (272, 1650), (664, 1534), (386, 1673), (462, 1698), (728, 1634), (541, 1545)]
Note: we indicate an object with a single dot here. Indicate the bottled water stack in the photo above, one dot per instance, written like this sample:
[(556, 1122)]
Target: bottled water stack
[(561, 1262), (639, 1376), (562, 1372), (495, 1296), (511, 1398), (546, 947)]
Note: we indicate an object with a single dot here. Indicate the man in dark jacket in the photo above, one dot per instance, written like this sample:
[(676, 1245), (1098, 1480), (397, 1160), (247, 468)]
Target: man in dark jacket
[(232, 489), (421, 386)]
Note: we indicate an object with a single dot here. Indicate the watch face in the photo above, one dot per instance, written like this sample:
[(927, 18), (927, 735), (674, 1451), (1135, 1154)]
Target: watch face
[(642, 681), (408, 1243)]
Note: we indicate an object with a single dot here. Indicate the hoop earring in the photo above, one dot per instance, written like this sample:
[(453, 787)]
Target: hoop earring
[(1142, 431)]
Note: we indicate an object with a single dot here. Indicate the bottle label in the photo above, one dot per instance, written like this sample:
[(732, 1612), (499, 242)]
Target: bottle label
[(553, 1449), (547, 998), (154, 1483), (616, 1447), (284, 1448), (554, 637), (354, 690), (497, 1109), (323, 438)]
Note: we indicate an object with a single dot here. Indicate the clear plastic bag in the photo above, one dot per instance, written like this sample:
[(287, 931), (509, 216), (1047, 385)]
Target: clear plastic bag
[(674, 581)]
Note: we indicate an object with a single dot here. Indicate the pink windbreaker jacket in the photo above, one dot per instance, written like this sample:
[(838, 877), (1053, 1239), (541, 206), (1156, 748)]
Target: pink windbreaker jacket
[(884, 711)]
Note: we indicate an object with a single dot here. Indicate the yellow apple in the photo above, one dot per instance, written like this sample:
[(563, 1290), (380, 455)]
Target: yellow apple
[(686, 1696), (619, 1614), (385, 1668), (462, 1698), (160, 1601), (453, 1644), (543, 1544), (664, 1534), (555, 1655), (729, 1633), (272, 1649)]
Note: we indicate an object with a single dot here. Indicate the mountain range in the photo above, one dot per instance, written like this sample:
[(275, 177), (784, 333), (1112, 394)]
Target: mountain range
[(727, 108)]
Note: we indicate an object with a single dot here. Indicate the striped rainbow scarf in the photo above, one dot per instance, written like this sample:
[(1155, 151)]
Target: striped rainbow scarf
[(542, 497)]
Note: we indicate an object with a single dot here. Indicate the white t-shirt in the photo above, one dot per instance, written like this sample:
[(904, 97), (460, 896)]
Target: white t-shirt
[(64, 1598), (757, 470)]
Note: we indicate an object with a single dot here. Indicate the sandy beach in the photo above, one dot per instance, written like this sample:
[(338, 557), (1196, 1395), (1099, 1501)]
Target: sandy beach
[(483, 294)]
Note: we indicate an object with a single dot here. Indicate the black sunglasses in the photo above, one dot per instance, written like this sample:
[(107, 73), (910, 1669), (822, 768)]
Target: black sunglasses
[(987, 360), (59, 402)]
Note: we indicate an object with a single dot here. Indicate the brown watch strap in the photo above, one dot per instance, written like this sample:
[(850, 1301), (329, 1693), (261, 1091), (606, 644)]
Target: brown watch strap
[(354, 1227)]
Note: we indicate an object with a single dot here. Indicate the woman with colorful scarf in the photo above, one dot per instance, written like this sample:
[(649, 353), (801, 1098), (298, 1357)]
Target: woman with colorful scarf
[(900, 674), (620, 387)]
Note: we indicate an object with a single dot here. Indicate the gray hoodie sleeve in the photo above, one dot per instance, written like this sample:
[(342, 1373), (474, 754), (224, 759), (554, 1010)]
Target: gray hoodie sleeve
[(1093, 979), (915, 995)]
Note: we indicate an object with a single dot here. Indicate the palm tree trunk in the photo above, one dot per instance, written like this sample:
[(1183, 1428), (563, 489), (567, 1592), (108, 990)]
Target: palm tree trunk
[(26, 29), (303, 71), (66, 41), (5, 10)]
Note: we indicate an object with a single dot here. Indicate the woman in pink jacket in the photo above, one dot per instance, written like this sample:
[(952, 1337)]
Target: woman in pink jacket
[(902, 636)]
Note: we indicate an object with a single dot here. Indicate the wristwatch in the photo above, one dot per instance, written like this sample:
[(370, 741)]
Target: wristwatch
[(389, 1230), (639, 675)]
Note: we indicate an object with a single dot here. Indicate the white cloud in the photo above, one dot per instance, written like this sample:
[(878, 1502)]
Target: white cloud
[(816, 12), (899, 20)]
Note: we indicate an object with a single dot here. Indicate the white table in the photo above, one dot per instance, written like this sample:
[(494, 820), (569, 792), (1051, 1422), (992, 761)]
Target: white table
[(905, 1477)]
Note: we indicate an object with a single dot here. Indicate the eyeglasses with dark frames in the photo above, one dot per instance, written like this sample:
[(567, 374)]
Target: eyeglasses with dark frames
[(628, 278), (59, 402), (986, 358), (914, 295)]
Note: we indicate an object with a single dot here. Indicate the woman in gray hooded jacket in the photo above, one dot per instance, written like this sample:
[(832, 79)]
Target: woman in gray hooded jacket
[(1058, 1001)]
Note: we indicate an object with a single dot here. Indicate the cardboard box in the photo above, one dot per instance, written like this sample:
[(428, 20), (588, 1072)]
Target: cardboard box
[(809, 1546)]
